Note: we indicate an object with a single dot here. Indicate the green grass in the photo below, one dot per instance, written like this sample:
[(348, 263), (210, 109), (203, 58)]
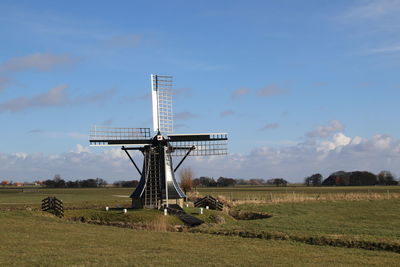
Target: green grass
[(34, 238), (101, 197), (208, 216), (265, 192), (113, 197), (72, 197), (364, 218), (369, 221), (132, 216)]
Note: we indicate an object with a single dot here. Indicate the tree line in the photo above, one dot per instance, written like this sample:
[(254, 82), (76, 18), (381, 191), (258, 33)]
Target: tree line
[(339, 178), (343, 178), (58, 182), (205, 181)]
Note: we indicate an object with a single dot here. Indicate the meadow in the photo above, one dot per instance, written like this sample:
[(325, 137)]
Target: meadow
[(302, 226)]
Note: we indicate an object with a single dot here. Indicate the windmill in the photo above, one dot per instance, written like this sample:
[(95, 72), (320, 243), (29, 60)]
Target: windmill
[(158, 187)]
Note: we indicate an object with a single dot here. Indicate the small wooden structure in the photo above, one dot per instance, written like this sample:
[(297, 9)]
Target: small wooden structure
[(53, 205), (209, 201), (190, 220)]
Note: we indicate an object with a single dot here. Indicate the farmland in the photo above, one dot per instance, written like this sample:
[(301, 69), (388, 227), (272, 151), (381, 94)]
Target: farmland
[(315, 226)]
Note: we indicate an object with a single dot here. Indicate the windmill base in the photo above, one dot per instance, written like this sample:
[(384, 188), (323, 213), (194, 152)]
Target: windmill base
[(139, 203)]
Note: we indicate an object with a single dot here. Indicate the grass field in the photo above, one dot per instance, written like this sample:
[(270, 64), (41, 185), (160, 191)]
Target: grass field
[(119, 196), (302, 193), (347, 226), (29, 238), (362, 224), (72, 197)]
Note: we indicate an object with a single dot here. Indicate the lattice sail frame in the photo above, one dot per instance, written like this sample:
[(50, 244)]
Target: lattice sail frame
[(207, 144), (108, 136), (161, 95)]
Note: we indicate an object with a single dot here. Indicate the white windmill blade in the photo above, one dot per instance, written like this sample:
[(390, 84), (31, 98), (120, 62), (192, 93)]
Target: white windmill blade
[(161, 96)]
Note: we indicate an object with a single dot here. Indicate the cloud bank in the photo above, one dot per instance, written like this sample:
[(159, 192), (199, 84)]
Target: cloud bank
[(293, 162), (56, 96)]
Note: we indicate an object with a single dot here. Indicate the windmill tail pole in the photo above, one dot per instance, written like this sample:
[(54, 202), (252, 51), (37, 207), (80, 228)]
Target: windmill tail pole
[(187, 154), (124, 149)]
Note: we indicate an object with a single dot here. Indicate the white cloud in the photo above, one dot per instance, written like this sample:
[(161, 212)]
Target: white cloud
[(372, 9), (185, 115), (81, 163), (107, 122), (295, 162), (326, 130), (270, 90), (21, 155), (238, 93), (270, 126), (227, 112), (82, 149), (292, 162), (54, 97), (125, 40), (339, 140), (375, 23), (381, 142), (181, 92), (387, 49), (4, 82), (38, 62)]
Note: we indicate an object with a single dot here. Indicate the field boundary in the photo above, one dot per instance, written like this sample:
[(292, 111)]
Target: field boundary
[(310, 240)]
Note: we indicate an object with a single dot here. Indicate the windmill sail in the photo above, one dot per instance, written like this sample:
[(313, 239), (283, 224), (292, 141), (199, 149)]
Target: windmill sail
[(201, 144), (161, 95), (112, 136)]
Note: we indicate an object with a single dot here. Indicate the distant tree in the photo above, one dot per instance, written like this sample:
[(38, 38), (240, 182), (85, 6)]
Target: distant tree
[(56, 182), (241, 182), (386, 178), (314, 180), (280, 182), (256, 181), (207, 181), (57, 178), (72, 184), (101, 182), (132, 183), (224, 182), (186, 176), (196, 183), (49, 183), (88, 183)]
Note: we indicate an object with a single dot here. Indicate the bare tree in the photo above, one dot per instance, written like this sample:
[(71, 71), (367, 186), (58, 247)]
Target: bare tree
[(186, 176)]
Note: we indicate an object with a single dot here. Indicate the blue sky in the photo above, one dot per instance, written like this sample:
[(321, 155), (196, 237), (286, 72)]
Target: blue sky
[(300, 86)]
